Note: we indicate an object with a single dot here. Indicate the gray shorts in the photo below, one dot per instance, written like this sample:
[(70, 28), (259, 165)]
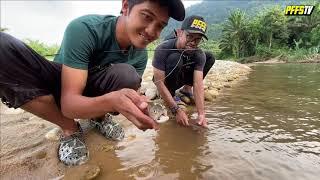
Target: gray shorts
[(25, 75)]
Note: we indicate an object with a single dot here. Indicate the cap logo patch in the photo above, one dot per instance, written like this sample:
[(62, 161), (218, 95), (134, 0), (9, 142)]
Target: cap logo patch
[(199, 24)]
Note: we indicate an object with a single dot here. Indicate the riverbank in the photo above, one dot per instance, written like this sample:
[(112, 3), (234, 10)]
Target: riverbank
[(277, 60), (27, 154)]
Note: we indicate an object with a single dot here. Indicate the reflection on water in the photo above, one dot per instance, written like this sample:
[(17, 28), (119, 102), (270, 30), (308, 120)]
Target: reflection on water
[(266, 128)]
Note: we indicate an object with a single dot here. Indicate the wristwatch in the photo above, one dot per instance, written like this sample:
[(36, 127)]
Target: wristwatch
[(174, 109)]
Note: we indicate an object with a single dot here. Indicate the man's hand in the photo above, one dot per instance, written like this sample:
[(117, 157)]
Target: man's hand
[(134, 107), (202, 121), (182, 118)]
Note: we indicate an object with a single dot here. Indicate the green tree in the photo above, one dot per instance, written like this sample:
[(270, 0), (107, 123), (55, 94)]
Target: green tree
[(315, 36), (3, 29), (274, 24), (41, 48), (211, 46), (233, 32), (300, 27)]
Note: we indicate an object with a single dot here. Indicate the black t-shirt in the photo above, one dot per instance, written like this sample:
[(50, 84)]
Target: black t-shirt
[(160, 56)]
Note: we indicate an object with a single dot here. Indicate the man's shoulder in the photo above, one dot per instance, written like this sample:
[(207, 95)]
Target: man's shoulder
[(167, 44), (199, 53), (94, 24), (93, 19), (140, 53)]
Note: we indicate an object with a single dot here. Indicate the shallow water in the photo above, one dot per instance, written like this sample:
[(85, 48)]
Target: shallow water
[(266, 128)]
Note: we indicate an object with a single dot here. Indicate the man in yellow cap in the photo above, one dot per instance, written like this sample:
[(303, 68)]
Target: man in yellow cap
[(184, 67)]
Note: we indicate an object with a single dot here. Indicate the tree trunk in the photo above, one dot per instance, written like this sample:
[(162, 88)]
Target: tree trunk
[(256, 46), (270, 40)]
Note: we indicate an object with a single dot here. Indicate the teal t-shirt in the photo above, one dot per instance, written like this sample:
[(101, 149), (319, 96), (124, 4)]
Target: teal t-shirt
[(86, 40)]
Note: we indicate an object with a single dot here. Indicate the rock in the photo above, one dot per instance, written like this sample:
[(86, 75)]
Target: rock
[(194, 116), (83, 172), (227, 86), (186, 99), (41, 154), (13, 111), (54, 134), (107, 147), (132, 137), (229, 79), (216, 85), (142, 89), (208, 97), (149, 78), (151, 93), (213, 92)]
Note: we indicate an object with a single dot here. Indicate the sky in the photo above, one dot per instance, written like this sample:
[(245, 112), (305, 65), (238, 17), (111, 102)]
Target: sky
[(47, 20)]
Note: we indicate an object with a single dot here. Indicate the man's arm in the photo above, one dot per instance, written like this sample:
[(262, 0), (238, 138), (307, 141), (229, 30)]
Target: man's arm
[(159, 77), (73, 103), (163, 90), (198, 90), (125, 101)]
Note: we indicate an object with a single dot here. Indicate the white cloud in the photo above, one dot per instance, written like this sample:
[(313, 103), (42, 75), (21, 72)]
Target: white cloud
[(46, 20)]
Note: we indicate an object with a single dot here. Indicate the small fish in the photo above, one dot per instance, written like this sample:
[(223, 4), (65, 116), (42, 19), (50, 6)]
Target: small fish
[(158, 112)]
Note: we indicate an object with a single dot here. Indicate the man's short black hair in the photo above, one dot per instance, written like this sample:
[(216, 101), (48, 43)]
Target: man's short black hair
[(132, 3), (175, 7)]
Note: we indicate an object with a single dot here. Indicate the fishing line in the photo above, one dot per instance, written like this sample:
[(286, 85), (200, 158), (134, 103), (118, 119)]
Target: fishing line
[(172, 69), (123, 51)]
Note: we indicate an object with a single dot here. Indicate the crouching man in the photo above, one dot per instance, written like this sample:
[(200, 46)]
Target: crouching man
[(179, 62)]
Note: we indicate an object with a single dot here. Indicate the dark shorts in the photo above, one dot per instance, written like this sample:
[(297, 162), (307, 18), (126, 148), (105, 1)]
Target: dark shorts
[(183, 73), (25, 75)]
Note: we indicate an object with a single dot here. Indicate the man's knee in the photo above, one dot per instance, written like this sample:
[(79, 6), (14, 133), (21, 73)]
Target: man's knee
[(126, 76), (210, 60), (38, 101)]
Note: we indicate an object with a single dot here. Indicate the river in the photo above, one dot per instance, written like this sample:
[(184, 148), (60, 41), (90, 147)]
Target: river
[(267, 127)]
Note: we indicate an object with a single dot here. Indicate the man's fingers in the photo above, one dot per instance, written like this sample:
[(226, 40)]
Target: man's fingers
[(143, 106), (138, 100), (135, 121), (132, 119), (187, 122), (145, 120), (205, 123)]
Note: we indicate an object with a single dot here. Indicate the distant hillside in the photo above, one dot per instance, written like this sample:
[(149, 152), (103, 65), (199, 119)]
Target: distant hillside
[(216, 12)]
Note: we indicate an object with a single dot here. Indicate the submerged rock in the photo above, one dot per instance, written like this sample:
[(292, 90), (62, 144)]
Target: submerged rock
[(210, 95), (83, 172), (151, 93)]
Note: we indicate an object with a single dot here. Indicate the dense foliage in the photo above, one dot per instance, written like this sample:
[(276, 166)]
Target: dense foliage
[(43, 49), (240, 29)]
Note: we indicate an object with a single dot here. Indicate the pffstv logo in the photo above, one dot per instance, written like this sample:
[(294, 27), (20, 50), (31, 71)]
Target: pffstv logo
[(299, 10)]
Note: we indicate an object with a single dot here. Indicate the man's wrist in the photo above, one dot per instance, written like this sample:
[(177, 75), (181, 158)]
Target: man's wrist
[(174, 109)]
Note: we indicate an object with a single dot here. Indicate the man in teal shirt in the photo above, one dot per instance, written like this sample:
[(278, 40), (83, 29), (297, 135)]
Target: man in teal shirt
[(98, 47), (97, 71)]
